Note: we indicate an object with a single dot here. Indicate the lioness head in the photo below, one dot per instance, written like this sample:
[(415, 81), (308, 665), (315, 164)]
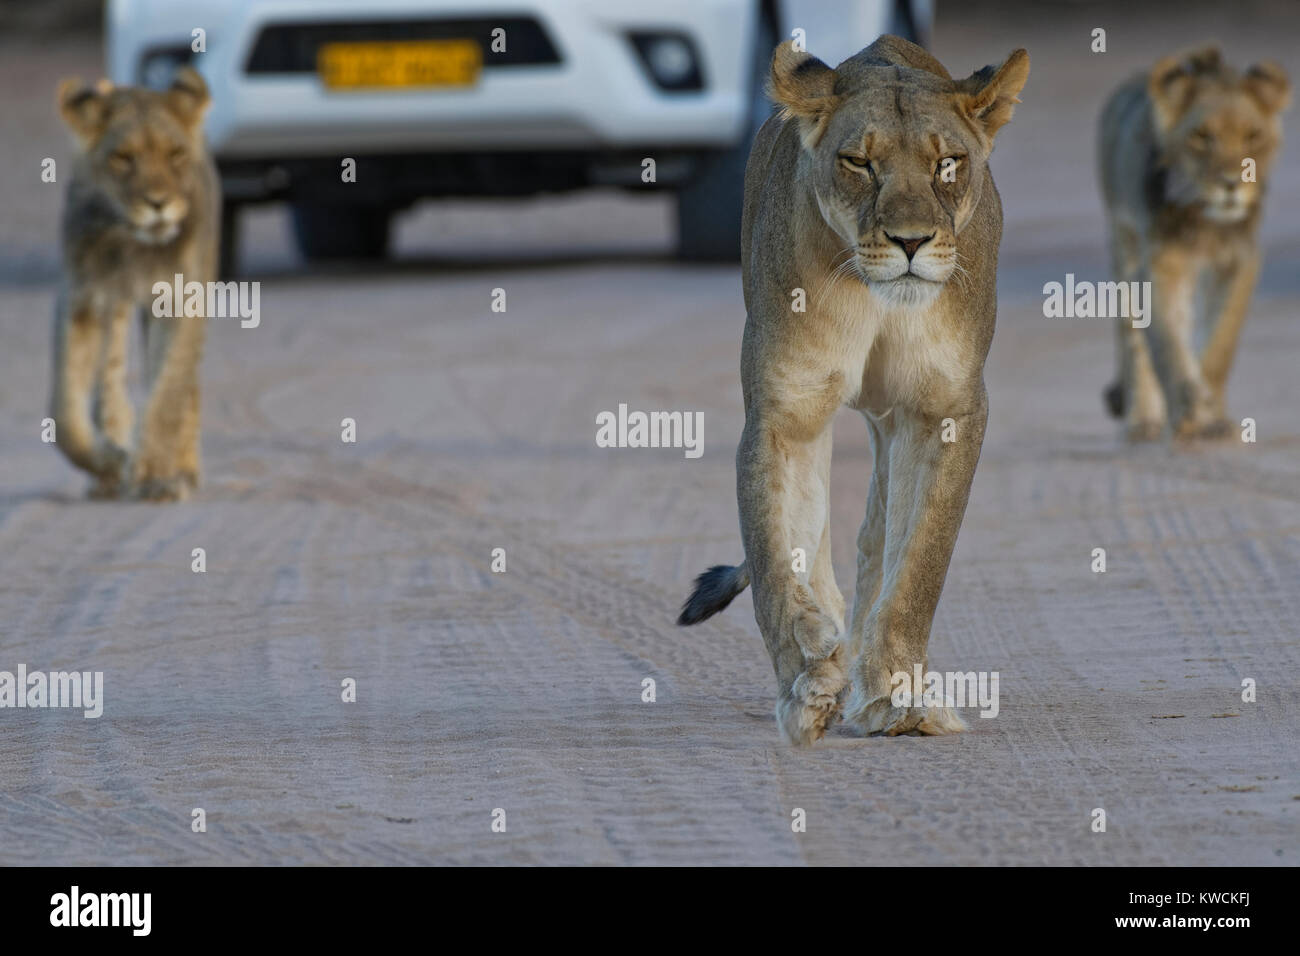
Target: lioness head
[(896, 157), (1209, 119), (143, 148)]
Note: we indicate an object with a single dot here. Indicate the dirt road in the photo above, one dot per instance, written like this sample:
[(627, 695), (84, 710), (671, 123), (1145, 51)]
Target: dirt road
[(522, 690)]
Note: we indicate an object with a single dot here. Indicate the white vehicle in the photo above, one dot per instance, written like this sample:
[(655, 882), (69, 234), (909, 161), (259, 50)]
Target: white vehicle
[(482, 98)]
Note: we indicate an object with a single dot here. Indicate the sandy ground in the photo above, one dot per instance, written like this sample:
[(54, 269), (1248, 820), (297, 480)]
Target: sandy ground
[(522, 690)]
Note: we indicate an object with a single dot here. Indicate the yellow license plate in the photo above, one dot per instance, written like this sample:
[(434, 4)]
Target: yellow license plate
[(408, 63)]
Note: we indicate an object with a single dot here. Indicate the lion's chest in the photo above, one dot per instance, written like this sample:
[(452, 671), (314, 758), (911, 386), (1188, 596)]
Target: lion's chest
[(889, 355)]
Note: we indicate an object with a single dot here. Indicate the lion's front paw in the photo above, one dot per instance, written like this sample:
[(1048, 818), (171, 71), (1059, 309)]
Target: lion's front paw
[(880, 717), (1215, 429), (110, 468), (106, 488), (1202, 419), (812, 703), (1144, 430), (162, 489), (867, 714), (112, 456)]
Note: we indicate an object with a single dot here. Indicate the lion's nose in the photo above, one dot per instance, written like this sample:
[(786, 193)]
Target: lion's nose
[(910, 244), (157, 200)]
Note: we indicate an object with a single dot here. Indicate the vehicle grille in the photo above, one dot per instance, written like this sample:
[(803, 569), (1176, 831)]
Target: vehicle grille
[(291, 47)]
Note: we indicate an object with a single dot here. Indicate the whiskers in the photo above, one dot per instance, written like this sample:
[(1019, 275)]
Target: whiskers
[(842, 265), (960, 272)]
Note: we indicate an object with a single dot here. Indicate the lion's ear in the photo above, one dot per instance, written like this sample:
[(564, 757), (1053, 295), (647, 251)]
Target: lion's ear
[(1267, 83), (804, 87), (188, 97), (1173, 81), (84, 108), (990, 96)]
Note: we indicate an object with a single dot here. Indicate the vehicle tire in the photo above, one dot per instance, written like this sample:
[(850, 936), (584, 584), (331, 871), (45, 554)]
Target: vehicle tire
[(228, 250), (910, 24), (709, 207), (341, 231)]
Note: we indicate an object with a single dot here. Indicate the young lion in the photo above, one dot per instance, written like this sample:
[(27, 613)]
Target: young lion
[(870, 192), (1185, 155), (143, 205)]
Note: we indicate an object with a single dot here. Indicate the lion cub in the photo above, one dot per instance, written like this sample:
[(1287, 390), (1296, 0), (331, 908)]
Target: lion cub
[(1185, 155), (143, 205)]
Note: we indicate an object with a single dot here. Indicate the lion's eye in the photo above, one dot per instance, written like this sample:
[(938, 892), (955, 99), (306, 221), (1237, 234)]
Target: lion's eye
[(178, 156), (121, 161), (1199, 138), (856, 161)]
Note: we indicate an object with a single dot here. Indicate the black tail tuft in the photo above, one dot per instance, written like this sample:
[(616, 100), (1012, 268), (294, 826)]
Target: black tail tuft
[(1114, 398), (714, 590)]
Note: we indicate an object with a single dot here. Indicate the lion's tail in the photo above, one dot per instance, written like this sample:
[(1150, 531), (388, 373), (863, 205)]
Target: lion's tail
[(1113, 396), (714, 590)]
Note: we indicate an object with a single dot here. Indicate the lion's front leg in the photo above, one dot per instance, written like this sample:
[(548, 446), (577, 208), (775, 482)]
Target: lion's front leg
[(166, 461), (928, 484), (189, 459), (783, 495), (1188, 398), (1234, 285), (1143, 400), (79, 337), (114, 416)]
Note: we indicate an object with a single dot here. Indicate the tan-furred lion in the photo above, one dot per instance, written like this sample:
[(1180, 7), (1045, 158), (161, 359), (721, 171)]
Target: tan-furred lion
[(871, 192), (1185, 153), (143, 205)]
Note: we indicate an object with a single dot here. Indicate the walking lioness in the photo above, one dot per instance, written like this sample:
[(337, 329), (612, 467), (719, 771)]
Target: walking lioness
[(1185, 153), (869, 197), (143, 206)]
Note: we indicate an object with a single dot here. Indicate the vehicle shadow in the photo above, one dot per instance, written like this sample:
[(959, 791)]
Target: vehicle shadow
[(434, 264)]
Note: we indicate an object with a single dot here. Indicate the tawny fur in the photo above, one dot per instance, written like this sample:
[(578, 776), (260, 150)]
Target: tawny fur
[(1181, 217), (142, 206), (839, 186)]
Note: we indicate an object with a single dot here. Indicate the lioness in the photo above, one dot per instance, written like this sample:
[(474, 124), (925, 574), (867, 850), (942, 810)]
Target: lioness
[(871, 192), (143, 205), (1184, 157)]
